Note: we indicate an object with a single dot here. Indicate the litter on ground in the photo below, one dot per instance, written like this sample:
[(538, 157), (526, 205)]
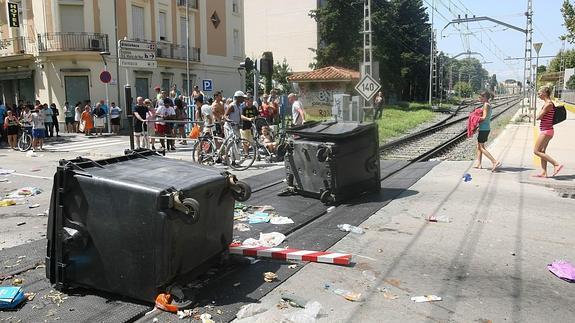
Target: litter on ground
[(426, 298), (350, 228), (270, 277), (269, 240), (563, 269)]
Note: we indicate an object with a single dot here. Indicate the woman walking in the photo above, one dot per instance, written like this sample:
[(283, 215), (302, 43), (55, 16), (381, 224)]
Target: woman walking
[(77, 116), (546, 133), (484, 129)]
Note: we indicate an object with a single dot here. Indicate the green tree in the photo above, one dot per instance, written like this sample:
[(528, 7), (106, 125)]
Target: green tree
[(339, 23), (568, 58), (569, 17), (281, 72), (401, 34), (571, 83), (463, 89)]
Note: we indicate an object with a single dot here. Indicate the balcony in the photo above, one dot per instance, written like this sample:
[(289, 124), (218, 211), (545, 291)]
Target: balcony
[(171, 51), (15, 46), (193, 3), (58, 42)]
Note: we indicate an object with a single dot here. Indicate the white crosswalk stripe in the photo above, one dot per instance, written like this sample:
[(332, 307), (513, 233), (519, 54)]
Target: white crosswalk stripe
[(84, 145)]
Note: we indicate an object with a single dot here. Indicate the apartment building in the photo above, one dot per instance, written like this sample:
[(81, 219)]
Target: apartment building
[(284, 28), (60, 47)]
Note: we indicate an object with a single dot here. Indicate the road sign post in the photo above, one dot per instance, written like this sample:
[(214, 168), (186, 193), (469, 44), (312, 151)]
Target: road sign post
[(367, 87), (137, 54)]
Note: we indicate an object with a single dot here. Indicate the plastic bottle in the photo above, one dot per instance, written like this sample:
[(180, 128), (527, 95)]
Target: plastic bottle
[(349, 295), (350, 228)]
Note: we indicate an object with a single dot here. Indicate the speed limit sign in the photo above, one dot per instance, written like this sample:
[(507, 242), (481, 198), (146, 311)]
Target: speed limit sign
[(367, 87)]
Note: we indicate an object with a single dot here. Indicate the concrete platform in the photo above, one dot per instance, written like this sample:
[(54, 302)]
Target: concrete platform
[(488, 264)]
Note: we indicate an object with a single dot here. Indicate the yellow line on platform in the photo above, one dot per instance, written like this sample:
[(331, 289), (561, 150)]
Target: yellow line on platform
[(568, 106), (536, 159)]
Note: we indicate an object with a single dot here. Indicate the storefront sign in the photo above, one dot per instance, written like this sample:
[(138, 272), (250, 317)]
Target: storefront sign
[(13, 14)]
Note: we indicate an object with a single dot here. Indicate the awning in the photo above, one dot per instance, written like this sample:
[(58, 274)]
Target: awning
[(15, 75)]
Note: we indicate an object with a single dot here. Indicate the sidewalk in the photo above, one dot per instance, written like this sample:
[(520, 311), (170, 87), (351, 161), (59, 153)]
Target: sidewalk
[(488, 263)]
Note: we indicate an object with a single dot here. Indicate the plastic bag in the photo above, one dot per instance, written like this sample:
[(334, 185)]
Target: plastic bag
[(195, 133), (250, 310), (306, 315)]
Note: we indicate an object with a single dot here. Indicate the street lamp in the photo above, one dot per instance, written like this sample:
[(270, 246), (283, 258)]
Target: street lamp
[(537, 47), (103, 55)]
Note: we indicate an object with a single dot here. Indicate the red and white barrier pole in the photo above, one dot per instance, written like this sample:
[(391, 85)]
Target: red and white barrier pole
[(292, 254)]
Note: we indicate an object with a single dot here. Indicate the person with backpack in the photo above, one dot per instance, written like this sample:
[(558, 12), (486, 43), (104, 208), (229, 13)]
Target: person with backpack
[(546, 132), (483, 133)]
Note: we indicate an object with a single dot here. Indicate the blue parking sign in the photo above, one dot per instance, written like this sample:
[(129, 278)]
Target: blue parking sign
[(207, 85)]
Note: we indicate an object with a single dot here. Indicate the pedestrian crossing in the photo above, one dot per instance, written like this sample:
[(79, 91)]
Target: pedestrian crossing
[(88, 144)]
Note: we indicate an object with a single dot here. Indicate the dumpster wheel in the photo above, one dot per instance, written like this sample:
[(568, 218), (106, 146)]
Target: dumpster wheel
[(241, 191), (193, 208), (327, 198)]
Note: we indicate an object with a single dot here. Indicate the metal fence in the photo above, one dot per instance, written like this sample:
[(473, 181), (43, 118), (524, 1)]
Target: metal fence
[(169, 50), (16, 46), (52, 42)]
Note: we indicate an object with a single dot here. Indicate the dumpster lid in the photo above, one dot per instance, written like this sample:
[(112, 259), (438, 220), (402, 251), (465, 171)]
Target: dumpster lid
[(331, 130)]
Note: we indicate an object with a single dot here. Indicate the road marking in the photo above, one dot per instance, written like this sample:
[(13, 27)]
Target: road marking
[(32, 176), (83, 145)]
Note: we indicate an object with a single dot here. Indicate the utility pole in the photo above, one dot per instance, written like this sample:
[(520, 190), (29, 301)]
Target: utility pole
[(431, 51), (562, 67), (527, 71)]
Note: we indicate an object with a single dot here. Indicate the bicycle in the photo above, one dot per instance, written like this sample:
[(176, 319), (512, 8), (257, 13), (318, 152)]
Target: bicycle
[(25, 140), (236, 152)]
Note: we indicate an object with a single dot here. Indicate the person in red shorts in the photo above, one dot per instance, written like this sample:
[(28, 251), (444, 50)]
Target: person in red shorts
[(546, 132)]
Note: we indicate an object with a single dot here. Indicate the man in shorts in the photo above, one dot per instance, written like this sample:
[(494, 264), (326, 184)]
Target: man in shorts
[(218, 114), (249, 114), (140, 126), (38, 128)]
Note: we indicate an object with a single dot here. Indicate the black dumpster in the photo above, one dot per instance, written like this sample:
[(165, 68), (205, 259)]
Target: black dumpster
[(139, 224), (333, 161)]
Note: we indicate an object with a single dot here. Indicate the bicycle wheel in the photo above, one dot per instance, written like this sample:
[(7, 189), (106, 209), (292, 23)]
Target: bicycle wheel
[(203, 152), (241, 154), (25, 142)]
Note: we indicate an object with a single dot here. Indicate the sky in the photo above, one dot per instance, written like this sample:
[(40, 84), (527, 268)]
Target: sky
[(496, 42)]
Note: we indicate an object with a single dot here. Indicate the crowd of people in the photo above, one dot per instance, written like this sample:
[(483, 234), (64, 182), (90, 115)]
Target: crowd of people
[(163, 118)]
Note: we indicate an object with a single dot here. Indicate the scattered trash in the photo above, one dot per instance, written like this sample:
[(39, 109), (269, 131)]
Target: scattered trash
[(369, 275), (426, 298), (31, 153), (187, 313), (7, 202), (441, 218), (330, 209), (349, 295), (24, 191), (281, 220), (293, 300), (164, 303), (327, 286), (237, 284), (32, 206), (258, 217), (3, 179), (282, 305), (350, 228), (17, 281), (6, 171), (206, 318), (10, 297), (20, 223), (467, 177), (380, 250), (270, 277), (482, 221), (306, 315), (563, 269), (239, 206), (513, 254), (56, 297), (241, 227), (269, 240), (155, 320), (250, 310), (294, 266), (35, 169), (389, 296), (30, 296)]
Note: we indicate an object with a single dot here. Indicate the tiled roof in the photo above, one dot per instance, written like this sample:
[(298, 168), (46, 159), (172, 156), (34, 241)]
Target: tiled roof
[(330, 73)]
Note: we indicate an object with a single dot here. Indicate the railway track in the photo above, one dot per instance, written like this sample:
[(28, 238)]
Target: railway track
[(432, 141)]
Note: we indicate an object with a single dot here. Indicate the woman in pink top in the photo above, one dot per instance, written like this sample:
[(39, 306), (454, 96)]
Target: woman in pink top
[(546, 133)]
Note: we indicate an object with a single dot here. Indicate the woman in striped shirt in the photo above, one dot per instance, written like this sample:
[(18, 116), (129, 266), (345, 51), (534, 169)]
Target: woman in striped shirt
[(546, 133)]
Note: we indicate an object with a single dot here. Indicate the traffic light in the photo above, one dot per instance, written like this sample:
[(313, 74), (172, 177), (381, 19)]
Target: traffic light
[(267, 64), (248, 64)]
